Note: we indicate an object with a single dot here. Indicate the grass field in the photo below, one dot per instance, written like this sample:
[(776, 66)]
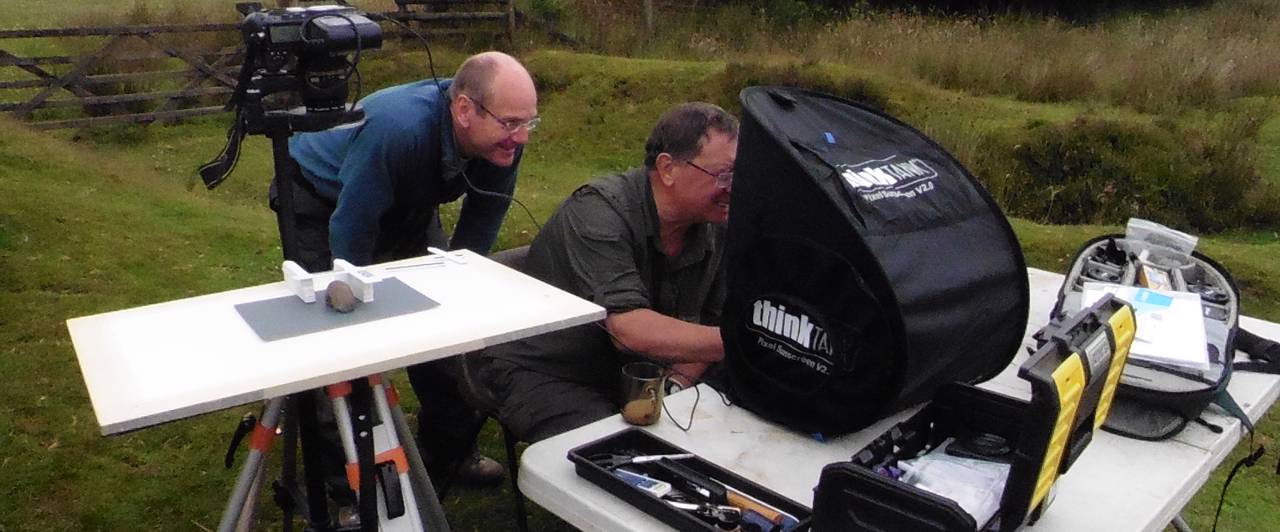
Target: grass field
[(105, 219)]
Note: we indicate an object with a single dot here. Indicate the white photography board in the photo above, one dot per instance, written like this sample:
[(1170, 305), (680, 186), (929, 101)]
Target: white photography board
[(171, 360)]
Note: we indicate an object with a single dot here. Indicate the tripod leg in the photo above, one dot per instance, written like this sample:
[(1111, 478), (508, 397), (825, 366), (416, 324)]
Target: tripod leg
[(248, 516), (362, 472), (430, 514), (314, 459), (285, 169), (428, 502), (395, 512), (259, 444), (338, 394), (285, 490)]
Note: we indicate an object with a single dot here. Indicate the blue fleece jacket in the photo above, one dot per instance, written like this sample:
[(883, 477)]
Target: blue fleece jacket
[(391, 172)]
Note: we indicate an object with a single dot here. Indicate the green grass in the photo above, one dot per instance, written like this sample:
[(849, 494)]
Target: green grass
[(106, 219), (85, 232)]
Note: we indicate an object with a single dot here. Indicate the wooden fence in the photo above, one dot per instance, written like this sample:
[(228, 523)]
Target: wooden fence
[(165, 70), (90, 84)]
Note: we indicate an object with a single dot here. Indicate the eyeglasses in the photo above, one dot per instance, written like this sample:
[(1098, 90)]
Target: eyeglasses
[(723, 179), (512, 125)]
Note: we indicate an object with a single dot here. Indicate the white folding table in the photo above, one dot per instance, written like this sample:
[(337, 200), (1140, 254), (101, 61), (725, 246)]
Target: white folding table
[(1116, 484), (171, 360)]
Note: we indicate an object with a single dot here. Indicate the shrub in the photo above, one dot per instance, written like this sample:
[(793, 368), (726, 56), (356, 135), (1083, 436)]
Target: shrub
[(548, 10), (737, 76), (1099, 171), (790, 14), (1263, 205)]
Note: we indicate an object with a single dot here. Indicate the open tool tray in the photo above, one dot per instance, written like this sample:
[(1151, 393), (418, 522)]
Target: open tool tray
[(1073, 377), (636, 442)]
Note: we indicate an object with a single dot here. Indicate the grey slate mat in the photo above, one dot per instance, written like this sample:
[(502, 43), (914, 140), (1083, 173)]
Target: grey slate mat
[(287, 317)]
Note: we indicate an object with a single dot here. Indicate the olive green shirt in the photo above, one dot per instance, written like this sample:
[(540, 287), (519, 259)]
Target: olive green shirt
[(603, 245)]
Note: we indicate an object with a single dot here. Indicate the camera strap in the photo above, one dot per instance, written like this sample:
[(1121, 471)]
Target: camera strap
[(1264, 354), (216, 171)]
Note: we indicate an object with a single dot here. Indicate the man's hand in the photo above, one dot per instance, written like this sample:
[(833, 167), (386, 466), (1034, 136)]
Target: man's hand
[(687, 374)]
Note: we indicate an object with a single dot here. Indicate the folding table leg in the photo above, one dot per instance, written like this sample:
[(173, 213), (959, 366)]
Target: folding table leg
[(513, 468)]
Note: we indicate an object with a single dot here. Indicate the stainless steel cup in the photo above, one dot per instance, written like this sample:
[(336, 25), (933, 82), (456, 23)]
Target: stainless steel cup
[(643, 385)]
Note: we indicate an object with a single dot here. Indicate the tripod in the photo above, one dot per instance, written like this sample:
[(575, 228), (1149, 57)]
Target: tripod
[(383, 465), (382, 462)]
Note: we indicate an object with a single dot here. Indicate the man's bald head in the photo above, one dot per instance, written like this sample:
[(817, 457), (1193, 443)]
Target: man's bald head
[(494, 104), (478, 74)]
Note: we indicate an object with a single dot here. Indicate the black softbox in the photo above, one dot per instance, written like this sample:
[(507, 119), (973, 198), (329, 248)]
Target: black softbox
[(867, 266)]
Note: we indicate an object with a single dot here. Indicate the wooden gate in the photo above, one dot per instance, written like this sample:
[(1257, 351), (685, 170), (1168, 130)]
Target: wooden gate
[(130, 56)]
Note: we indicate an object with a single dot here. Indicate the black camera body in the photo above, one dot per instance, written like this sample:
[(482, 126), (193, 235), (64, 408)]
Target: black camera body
[(304, 50)]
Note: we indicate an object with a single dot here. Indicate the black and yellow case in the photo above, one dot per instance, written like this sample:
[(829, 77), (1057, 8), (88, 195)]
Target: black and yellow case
[(1073, 376)]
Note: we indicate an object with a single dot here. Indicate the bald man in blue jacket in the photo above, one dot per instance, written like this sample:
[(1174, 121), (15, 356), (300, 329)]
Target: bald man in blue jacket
[(370, 192)]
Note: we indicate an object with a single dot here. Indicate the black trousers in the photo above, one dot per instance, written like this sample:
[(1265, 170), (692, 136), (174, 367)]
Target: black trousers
[(446, 423), (536, 406)]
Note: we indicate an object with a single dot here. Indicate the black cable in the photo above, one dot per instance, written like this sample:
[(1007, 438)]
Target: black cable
[(723, 398), (502, 195), (1247, 461), (697, 397), (359, 88), (431, 63)]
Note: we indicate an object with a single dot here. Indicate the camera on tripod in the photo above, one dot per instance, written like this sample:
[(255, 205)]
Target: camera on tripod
[(304, 51), (292, 54)]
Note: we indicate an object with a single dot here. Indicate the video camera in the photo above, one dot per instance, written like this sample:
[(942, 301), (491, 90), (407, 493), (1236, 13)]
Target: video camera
[(291, 54)]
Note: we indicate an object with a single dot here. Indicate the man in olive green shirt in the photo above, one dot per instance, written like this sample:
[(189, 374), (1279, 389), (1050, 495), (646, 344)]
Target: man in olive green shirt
[(647, 246)]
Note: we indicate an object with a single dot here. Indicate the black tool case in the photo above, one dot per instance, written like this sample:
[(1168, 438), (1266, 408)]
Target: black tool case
[(634, 441), (1073, 378)]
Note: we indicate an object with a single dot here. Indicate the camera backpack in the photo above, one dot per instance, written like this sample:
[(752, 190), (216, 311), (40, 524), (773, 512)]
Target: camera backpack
[(866, 267), (1155, 401)]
